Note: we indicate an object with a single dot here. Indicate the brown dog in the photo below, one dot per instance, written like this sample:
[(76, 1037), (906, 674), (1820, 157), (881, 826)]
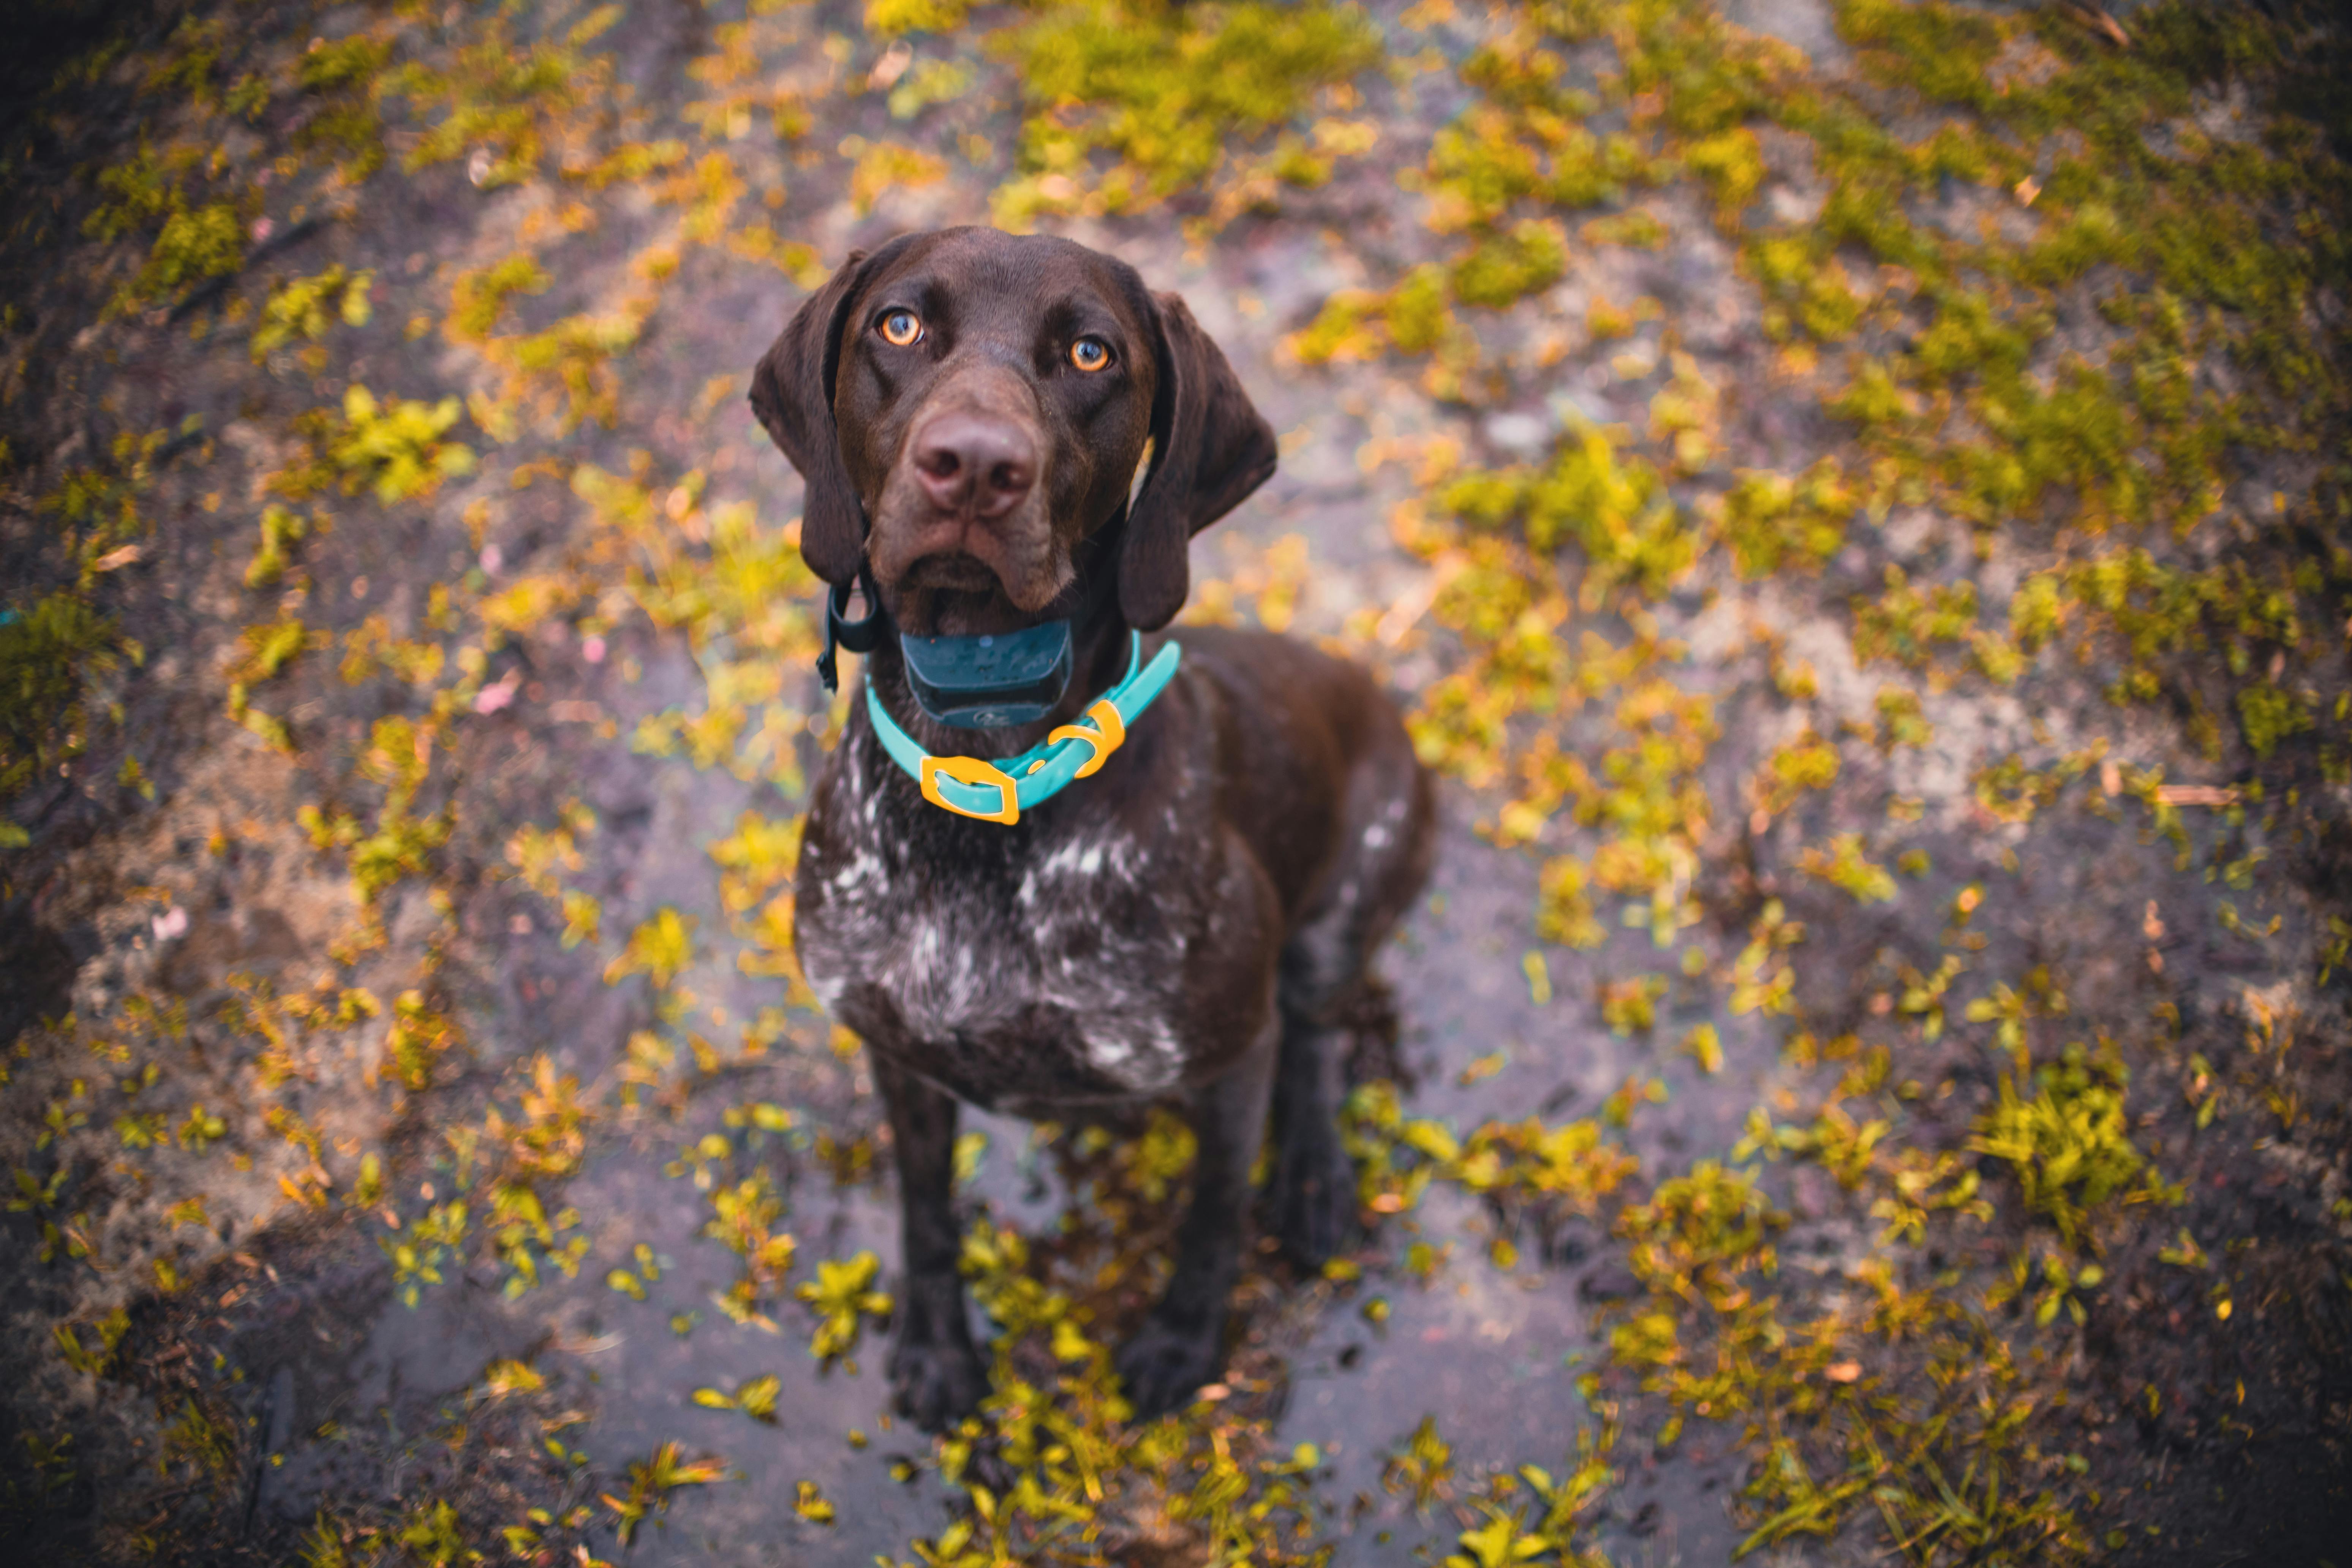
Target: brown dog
[(969, 410)]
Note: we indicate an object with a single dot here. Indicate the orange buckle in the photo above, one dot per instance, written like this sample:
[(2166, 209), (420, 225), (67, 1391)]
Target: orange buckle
[(1110, 731), (971, 771)]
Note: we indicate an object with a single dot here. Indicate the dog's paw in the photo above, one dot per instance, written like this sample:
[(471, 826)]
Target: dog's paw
[(935, 1385), (1314, 1204), (1161, 1367)]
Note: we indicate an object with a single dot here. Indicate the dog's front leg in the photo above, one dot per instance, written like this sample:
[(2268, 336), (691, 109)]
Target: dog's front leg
[(935, 1376), (1181, 1343)]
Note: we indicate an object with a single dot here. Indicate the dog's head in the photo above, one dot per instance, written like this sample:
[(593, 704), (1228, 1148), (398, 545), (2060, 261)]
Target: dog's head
[(985, 400)]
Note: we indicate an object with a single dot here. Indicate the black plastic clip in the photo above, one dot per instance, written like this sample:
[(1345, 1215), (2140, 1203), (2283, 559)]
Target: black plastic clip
[(862, 635)]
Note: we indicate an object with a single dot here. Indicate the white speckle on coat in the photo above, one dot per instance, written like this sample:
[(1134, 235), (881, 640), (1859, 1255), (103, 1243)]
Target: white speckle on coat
[(1071, 950)]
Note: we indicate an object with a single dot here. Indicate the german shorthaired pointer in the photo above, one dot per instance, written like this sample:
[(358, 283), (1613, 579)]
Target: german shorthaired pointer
[(1007, 444)]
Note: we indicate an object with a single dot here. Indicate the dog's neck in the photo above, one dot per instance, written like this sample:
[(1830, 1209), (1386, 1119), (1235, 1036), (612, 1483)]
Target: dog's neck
[(1100, 648)]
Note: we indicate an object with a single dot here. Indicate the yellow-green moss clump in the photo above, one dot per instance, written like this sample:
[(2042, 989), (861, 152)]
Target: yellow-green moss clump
[(1165, 90), (1928, 294)]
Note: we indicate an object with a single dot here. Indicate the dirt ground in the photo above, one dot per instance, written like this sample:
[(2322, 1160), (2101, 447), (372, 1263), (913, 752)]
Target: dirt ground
[(1867, 557)]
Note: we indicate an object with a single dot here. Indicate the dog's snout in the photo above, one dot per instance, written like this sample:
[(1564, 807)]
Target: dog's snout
[(971, 463)]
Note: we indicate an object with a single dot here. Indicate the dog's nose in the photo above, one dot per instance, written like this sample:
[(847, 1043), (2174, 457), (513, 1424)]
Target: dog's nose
[(967, 461)]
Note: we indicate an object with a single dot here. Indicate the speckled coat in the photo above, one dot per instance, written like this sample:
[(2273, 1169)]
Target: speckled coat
[(973, 413)]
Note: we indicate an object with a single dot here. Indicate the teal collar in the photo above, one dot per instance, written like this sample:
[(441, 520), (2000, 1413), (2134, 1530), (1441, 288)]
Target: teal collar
[(1001, 790)]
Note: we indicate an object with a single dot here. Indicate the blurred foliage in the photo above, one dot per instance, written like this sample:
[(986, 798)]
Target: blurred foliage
[(2099, 186)]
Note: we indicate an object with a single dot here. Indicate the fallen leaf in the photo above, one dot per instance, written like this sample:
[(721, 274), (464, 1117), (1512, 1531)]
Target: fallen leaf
[(890, 66), (2099, 22)]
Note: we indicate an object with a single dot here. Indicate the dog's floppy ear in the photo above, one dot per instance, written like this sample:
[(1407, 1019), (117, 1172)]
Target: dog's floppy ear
[(1210, 448), (792, 392)]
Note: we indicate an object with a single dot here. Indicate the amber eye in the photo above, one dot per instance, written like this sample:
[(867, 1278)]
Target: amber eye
[(900, 328), (1090, 353)]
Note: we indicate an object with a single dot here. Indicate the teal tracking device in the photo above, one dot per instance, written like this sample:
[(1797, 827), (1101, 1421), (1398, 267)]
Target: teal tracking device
[(988, 682)]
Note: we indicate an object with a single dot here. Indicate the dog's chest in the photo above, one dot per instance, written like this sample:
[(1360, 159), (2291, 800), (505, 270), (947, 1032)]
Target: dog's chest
[(1054, 973)]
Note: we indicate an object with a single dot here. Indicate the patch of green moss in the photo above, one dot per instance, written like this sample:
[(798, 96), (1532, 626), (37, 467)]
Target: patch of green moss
[(479, 297), (58, 647), (1730, 165), (207, 242), (2269, 715), (1526, 142), (1845, 866), (1413, 318), (2069, 1144), (304, 307), (1941, 50), (343, 79), (1165, 88), (572, 358), (346, 62), (141, 191), (887, 18), (393, 447), (1636, 229), (188, 58), (1772, 520), (1500, 270), (50, 652), (279, 530), (1807, 762), (1613, 504), (497, 99), (1905, 621)]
